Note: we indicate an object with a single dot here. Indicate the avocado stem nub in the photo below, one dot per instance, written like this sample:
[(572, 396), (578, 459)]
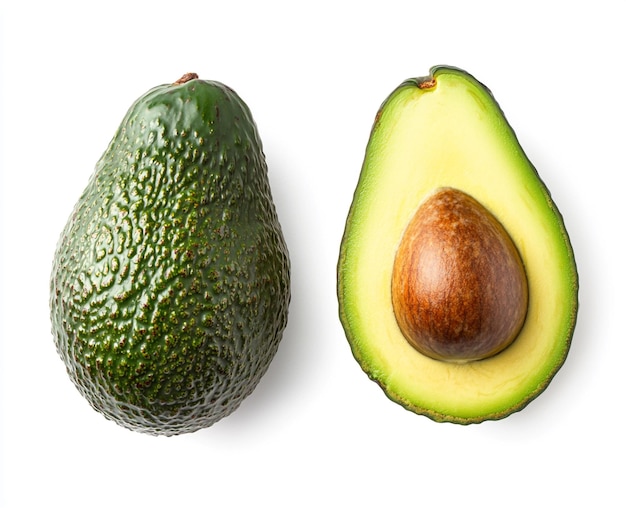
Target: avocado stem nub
[(186, 77), (429, 83)]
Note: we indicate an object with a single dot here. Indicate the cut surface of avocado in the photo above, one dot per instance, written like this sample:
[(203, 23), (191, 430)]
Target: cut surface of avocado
[(446, 131)]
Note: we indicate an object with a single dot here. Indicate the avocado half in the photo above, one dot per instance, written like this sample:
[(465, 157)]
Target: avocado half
[(446, 131)]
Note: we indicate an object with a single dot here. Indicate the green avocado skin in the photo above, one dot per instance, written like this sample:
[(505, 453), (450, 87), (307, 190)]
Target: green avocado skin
[(170, 284)]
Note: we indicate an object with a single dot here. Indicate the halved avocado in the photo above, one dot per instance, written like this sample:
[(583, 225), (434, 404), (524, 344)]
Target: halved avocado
[(433, 134)]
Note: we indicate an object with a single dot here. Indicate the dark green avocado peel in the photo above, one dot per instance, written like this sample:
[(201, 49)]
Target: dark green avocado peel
[(170, 284)]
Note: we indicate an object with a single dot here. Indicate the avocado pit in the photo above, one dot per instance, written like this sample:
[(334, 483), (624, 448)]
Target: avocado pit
[(459, 289)]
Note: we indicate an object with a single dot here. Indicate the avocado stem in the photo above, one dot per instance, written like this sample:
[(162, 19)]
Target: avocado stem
[(430, 83), (186, 77)]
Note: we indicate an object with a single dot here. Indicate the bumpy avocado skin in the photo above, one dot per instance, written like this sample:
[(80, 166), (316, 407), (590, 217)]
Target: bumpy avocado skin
[(170, 283), (371, 329)]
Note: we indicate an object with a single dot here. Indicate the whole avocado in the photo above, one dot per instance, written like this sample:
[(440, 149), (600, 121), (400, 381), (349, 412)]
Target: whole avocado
[(170, 284)]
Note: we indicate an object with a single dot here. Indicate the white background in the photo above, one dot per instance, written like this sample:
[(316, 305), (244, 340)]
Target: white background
[(316, 432)]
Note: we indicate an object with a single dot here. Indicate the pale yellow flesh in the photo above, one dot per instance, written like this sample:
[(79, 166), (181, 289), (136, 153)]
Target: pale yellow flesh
[(464, 145)]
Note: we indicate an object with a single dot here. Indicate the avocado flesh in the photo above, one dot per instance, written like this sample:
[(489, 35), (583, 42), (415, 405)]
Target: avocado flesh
[(446, 130), (170, 282)]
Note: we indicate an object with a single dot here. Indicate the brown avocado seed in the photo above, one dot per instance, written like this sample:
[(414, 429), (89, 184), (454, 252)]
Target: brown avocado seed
[(459, 287)]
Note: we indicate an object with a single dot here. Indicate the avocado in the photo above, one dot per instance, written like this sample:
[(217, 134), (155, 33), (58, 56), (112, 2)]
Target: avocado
[(456, 280), (170, 283)]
